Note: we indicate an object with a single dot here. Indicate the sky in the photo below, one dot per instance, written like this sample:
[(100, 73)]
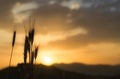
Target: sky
[(67, 31)]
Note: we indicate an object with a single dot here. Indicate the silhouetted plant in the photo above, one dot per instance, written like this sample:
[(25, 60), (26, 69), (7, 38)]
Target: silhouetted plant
[(26, 48), (13, 43), (14, 36), (32, 57), (36, 52), (31, 35)]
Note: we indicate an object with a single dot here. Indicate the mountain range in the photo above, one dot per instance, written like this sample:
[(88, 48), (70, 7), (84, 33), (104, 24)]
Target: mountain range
[(105, 70)]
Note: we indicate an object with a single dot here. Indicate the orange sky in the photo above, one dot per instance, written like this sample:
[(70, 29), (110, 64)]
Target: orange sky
[(66, 31), (99, 53)]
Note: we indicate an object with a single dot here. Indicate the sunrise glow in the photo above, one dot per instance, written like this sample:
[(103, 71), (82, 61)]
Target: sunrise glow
[(46, 60), (65, 31)]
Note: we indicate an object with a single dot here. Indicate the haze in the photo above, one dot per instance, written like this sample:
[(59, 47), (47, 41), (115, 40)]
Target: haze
[(67, 31)]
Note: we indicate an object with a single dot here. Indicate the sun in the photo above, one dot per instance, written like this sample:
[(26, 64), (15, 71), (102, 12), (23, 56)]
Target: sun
[(46, 57), (47, 60)]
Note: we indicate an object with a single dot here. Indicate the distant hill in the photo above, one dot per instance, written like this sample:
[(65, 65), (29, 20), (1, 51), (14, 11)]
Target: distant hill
[(105, 70), (28, 71)]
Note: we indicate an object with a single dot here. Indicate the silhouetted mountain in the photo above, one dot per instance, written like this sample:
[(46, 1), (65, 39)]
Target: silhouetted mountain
[(107, 70), (28, 71)]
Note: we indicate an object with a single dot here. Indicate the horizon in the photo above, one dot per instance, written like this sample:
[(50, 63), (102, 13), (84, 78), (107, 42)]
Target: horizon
[(68, 64), (66, 31)]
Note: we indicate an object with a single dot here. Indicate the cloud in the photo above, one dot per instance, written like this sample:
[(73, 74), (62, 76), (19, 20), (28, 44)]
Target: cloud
[(77, 4), (21, 11), (101, 25), (51, 2), (72, 4), (63, 35)]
